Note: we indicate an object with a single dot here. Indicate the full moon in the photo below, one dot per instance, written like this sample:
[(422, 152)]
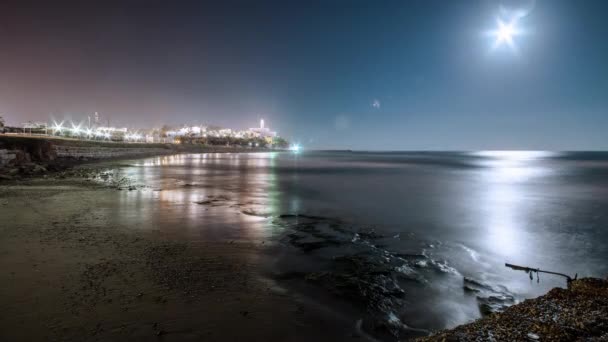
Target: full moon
[(504, 33)]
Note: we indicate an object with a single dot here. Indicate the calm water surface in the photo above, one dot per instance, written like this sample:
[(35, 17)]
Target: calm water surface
[(457, 214)]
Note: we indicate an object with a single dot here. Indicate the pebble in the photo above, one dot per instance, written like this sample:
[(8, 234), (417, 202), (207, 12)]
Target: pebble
[(578, 313)]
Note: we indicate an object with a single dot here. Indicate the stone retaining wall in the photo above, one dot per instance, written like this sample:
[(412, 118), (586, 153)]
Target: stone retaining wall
[(94, 152), (7, 156), (24, 152)]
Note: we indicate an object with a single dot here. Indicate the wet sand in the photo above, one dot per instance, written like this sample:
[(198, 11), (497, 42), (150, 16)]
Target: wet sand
[(70, 272)]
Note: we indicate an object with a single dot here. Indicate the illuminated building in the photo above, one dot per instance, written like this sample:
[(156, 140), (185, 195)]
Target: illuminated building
[(262, 131)]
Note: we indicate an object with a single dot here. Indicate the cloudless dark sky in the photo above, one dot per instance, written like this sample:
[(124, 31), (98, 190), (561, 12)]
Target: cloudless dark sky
[(388, 75)]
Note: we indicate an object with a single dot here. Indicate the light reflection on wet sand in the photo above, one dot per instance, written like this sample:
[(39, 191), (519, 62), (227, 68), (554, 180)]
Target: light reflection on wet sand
[(175, 186)]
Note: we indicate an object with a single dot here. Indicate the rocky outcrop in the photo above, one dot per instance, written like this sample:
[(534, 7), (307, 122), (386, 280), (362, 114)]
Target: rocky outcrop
[(19, 151), (578, 313), (8, 157)]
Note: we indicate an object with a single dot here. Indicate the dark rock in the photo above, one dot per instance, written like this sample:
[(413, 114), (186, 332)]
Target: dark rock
[(370, 234), (252, 212), (39, 169), (470, 289)]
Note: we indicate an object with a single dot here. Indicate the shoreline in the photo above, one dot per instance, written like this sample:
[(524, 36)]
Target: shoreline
[(577, 313), (71, 272), (23, 156), (85, 276)]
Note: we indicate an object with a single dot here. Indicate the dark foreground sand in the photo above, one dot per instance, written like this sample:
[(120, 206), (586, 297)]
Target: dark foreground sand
[(69, 273)]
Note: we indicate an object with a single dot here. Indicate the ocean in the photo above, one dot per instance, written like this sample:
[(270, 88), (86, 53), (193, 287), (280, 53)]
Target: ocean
[(399, 243)]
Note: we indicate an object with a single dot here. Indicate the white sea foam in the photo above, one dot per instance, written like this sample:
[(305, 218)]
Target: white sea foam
[(405, 269), (472, 253)]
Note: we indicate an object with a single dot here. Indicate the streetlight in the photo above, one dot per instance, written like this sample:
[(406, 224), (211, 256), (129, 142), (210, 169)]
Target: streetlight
[(76, 129), (57, 127)]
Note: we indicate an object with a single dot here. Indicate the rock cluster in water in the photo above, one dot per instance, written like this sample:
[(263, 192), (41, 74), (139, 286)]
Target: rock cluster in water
[(368, 276)]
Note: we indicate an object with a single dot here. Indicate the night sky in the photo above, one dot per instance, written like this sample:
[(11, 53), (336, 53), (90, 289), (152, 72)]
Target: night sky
[(376, 75)]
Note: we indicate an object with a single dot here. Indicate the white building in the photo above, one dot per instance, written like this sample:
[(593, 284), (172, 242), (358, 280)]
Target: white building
[(263, 131), (195, 131), (225, 132), (112, 129)]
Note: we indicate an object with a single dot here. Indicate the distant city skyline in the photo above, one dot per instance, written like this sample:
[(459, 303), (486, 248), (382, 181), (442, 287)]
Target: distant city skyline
[(386, 75), (96, 120)]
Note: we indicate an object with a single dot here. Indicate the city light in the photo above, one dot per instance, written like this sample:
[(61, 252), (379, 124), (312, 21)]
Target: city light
[(133, 137), (75, 129), (57, 127), (295, 148), (257, 137)]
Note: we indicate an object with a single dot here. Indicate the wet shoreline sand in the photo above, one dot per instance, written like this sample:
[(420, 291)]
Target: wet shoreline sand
[(70, 273)]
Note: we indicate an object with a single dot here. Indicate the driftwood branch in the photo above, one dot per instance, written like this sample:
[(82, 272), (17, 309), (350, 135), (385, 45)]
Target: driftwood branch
[(530, 270)]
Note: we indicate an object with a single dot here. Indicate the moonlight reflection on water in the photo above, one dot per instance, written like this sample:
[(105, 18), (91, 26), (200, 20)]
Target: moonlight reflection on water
[(453, 215)]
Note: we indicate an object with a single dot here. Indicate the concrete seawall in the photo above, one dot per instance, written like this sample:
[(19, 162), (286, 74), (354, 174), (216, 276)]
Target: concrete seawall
[(20, 151), (93, 152)]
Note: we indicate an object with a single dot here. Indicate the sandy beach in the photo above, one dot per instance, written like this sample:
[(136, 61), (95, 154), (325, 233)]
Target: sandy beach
[(71, 273)]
